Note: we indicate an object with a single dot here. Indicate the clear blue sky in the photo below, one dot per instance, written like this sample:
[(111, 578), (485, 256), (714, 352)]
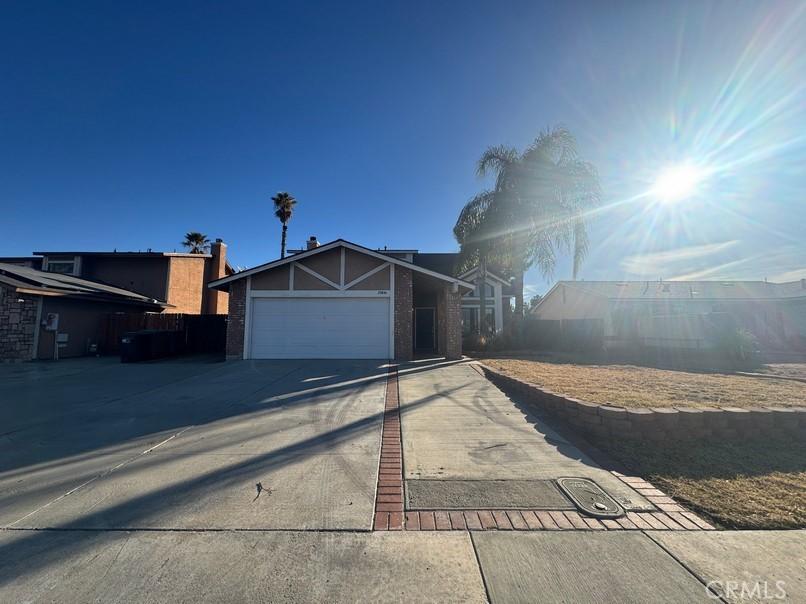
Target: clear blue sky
[(125, 124)]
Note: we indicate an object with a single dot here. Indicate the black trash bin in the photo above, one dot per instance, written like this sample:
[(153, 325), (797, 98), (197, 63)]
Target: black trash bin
[(148, 344)]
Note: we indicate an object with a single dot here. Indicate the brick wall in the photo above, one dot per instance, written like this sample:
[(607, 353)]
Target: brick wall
[(658, 424), (186, 285), (404, 311), (453, 320), (17, 325), (236, 320), (216, 301)]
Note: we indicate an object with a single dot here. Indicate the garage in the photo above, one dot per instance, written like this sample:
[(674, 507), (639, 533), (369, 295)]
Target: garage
[(339, 301), (320, 328)]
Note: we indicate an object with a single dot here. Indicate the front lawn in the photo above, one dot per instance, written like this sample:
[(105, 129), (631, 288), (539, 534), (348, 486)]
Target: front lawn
[(752, 485), (634, 386)]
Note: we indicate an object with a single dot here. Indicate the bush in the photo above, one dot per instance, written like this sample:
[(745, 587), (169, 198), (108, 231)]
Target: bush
[(739, 347)]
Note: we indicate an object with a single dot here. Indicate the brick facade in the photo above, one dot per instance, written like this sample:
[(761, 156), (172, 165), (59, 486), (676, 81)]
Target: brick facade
[(404, 315), (17, 325), (236, 320), (449, 323)]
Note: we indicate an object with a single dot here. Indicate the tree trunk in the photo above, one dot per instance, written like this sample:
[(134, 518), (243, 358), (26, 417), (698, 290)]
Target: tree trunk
[(482, 280), (282, 241), (518, 286)]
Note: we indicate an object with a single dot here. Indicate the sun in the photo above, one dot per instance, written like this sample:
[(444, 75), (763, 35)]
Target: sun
[(678, 182)]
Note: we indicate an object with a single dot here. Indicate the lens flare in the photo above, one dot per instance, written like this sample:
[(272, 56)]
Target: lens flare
[(678, 182)]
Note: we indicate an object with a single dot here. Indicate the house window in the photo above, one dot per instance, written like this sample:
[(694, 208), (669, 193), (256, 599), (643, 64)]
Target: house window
[(475, 293), (470, 320), (64, 267)]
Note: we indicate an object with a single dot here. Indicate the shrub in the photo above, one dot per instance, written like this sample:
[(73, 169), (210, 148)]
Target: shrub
[(739, 347)]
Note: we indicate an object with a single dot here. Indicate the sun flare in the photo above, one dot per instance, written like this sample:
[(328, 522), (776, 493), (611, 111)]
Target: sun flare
[(678, 182)]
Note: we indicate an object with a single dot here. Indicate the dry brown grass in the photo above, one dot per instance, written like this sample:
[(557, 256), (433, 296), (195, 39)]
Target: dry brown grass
[(751, 485), (633, 386)]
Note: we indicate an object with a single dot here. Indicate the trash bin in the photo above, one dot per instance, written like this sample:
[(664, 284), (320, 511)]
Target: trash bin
[(148, 344)]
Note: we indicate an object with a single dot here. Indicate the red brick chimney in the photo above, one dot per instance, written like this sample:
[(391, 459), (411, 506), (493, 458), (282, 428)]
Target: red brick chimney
[(216, 302)]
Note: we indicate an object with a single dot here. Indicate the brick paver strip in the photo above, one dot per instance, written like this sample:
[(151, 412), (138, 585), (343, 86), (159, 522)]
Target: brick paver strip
[(518, 523), (472, 520), (594, 524), (457, 520), (611, 524), (627, 524), (546, 520), (667, 521), (443, 521), (396, 521), (381, 521), (683, 521), (639, 521), (389, 498), (561, 520), (576, 520), (653, 522), (487, 520), (698, 521), (427, 522), (502, 520), (412, 521), (532, 521)]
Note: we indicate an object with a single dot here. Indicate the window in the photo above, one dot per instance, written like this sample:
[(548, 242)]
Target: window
[(65, 267), (470, 320)]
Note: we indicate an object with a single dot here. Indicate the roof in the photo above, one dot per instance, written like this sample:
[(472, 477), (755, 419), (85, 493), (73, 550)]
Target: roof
[(218, 284), (690, 290), (147, 254), (31, 281)]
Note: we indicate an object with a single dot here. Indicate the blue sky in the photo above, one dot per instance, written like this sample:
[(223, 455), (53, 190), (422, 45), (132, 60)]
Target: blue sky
[(124, 125)]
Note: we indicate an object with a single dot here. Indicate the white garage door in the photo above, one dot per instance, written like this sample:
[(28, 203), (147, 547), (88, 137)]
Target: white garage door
[(319, 328)]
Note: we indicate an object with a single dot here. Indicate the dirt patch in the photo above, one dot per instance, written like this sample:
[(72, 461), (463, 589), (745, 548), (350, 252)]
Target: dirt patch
[(755, 485), (634, 386)]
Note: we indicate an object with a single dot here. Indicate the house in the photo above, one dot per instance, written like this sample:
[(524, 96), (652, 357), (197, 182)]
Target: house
[(178, 278), (499, 290), (678, 313), (342, 300), (50, 315)]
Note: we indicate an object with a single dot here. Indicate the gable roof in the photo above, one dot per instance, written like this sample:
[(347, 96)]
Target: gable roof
[(31, 281), (689, 290), (333, 245)]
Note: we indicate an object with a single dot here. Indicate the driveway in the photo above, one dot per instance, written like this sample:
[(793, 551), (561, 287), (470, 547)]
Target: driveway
[(256, 481), (184, 445)]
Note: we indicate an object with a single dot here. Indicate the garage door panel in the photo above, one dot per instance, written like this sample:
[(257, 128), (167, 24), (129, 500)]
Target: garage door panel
[(320, 328)]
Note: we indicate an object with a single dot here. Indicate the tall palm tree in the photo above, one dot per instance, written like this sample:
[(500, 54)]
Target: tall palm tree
[(537, 206), (197, 243), (283, 208)]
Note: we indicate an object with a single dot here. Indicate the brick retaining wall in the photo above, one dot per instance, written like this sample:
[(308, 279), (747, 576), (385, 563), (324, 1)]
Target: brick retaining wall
[(659, 423)]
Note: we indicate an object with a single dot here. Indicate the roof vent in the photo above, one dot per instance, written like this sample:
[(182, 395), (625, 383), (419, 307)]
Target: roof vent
[(312, 243)]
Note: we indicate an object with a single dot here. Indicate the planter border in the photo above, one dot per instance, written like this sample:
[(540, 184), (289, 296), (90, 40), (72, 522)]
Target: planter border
[(657, 424)]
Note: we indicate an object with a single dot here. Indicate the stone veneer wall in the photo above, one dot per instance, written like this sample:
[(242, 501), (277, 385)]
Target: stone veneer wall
[(236, 319), (404, 315), (17, 325), (659, 424)]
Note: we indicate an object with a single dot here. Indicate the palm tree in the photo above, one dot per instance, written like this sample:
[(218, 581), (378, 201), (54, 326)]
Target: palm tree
[(197, 243), (283, 208), (538, 205)]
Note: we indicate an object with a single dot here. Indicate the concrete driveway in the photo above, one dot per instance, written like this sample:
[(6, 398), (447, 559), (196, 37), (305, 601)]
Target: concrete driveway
[(124, 483), (184, 444)]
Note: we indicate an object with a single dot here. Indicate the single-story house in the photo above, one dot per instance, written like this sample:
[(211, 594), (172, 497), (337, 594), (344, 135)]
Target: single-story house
[(47, 315), (342, 300), (676, 313)]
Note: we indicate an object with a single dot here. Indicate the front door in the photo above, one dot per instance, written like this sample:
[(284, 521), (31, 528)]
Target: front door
[(424, 329)]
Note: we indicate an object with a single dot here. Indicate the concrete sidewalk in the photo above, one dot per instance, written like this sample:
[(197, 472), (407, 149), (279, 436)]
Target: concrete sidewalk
[(458, 426)]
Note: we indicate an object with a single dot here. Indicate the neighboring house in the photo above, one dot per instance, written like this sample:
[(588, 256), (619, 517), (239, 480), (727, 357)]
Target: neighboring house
[(178, 278), (677, 313), (341, 300), (42, 314)]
